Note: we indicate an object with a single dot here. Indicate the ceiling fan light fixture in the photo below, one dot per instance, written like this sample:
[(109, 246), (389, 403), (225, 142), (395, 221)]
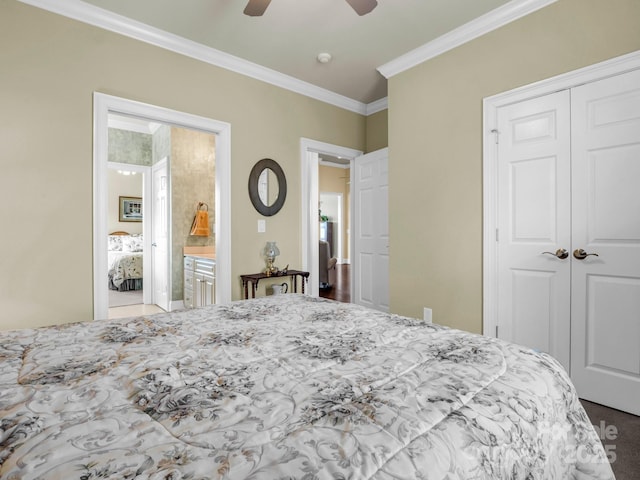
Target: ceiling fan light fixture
[(324, 57), (362, 7), (256, 8)]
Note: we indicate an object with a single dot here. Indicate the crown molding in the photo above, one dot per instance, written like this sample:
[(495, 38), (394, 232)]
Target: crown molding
[(101, 18), (98, 17), (469, 31), (377, 106)]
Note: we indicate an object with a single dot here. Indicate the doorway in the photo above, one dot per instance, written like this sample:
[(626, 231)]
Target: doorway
[(125, 255), (332, 227), (104, 105), (334, 210), (310, 153)]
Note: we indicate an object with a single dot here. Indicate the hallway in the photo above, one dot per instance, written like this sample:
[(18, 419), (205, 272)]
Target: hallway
[(340, 291)]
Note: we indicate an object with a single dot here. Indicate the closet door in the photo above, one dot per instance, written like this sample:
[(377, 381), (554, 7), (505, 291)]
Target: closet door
[(605, 307), (534, 224)]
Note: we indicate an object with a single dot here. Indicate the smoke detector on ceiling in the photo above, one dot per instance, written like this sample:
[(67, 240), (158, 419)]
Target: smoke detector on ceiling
[(324, 57)]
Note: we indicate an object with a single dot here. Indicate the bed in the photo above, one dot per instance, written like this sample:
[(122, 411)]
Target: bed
[(124, 258), (286, 386)]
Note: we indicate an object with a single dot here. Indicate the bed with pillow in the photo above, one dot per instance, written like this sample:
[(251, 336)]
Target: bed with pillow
[(287, 386), (124, 258)]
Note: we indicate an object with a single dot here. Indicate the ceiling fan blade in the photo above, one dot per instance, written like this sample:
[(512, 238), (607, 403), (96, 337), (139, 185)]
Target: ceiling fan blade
[(362, 7), (256, 8)]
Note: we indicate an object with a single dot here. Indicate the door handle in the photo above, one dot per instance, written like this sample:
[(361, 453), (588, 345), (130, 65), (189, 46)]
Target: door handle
[(580, 254), (154, 244), (561, 253)]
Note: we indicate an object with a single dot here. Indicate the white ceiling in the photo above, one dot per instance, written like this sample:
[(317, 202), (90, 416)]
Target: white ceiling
[(291, 33)]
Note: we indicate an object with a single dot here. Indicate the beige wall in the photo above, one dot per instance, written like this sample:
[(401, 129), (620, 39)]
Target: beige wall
[(435, 145), (51, 66), (377, 131)]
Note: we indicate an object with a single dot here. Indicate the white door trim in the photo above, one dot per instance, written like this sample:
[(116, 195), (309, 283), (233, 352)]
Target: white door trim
[(491, 104), (309, 150), (103, 105)]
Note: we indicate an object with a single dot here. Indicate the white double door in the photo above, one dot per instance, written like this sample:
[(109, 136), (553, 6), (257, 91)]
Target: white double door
[(569, 233)]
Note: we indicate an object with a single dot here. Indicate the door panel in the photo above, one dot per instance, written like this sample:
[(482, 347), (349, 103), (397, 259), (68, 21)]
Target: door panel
[(534, 217), (606, 221), (364, 279), (612, 331), (534, 213), (532, 293), (371, 236), (613, 169)]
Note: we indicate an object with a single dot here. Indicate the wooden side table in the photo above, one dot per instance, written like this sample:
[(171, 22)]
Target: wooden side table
[(254, 278)]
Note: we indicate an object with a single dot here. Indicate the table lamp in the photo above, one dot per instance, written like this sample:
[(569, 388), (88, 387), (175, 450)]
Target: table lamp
[(271, 251)]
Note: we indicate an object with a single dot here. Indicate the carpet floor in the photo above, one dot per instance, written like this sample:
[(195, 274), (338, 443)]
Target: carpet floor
[(119, 299), (620, 435)]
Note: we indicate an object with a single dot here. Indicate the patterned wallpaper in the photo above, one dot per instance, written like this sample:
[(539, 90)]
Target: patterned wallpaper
[(192, 181)]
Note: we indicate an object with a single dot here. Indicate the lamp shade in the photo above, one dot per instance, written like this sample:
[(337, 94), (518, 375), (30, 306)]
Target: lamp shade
[(271, 249)]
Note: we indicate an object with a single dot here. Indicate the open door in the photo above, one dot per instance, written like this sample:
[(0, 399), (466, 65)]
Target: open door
[(160, 234), (370, 192)]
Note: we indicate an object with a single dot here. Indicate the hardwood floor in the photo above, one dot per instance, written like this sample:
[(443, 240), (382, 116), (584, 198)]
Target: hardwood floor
[(340, 291)]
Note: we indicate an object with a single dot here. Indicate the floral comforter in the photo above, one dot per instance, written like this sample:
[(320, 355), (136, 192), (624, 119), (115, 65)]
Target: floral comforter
[(288, 386), (124, 266)]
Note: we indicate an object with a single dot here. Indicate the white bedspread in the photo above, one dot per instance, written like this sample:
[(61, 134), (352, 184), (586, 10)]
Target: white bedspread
[(288, 386)]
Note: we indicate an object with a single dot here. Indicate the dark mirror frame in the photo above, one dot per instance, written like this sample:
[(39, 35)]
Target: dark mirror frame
[(254, 176)]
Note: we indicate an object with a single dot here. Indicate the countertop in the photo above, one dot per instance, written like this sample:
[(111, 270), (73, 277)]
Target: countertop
[(200, 252)]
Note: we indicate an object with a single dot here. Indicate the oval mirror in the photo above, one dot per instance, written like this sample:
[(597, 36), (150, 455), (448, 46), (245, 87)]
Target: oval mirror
[(267, 187)]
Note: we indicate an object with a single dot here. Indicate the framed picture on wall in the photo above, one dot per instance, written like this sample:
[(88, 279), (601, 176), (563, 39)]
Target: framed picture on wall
[(130, 209)]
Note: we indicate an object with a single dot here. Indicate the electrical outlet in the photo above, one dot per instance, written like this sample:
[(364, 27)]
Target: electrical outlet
[(262, 226), (427, 315)]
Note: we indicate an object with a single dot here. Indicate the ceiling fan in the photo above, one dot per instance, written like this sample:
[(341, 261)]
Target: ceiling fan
[(256, 8)]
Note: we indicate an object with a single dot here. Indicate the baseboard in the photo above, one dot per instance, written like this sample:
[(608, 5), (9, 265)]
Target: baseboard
[(176, 305)]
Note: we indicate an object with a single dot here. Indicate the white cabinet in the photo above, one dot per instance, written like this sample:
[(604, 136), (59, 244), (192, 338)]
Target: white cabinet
[(199, 281)]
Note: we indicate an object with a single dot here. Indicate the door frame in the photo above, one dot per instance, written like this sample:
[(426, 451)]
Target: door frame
[(104, 104), (490, 135), (309, 150)]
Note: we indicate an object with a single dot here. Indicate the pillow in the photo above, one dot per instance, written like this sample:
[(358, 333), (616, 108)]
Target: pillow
[(132, 243), (115, 243)]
